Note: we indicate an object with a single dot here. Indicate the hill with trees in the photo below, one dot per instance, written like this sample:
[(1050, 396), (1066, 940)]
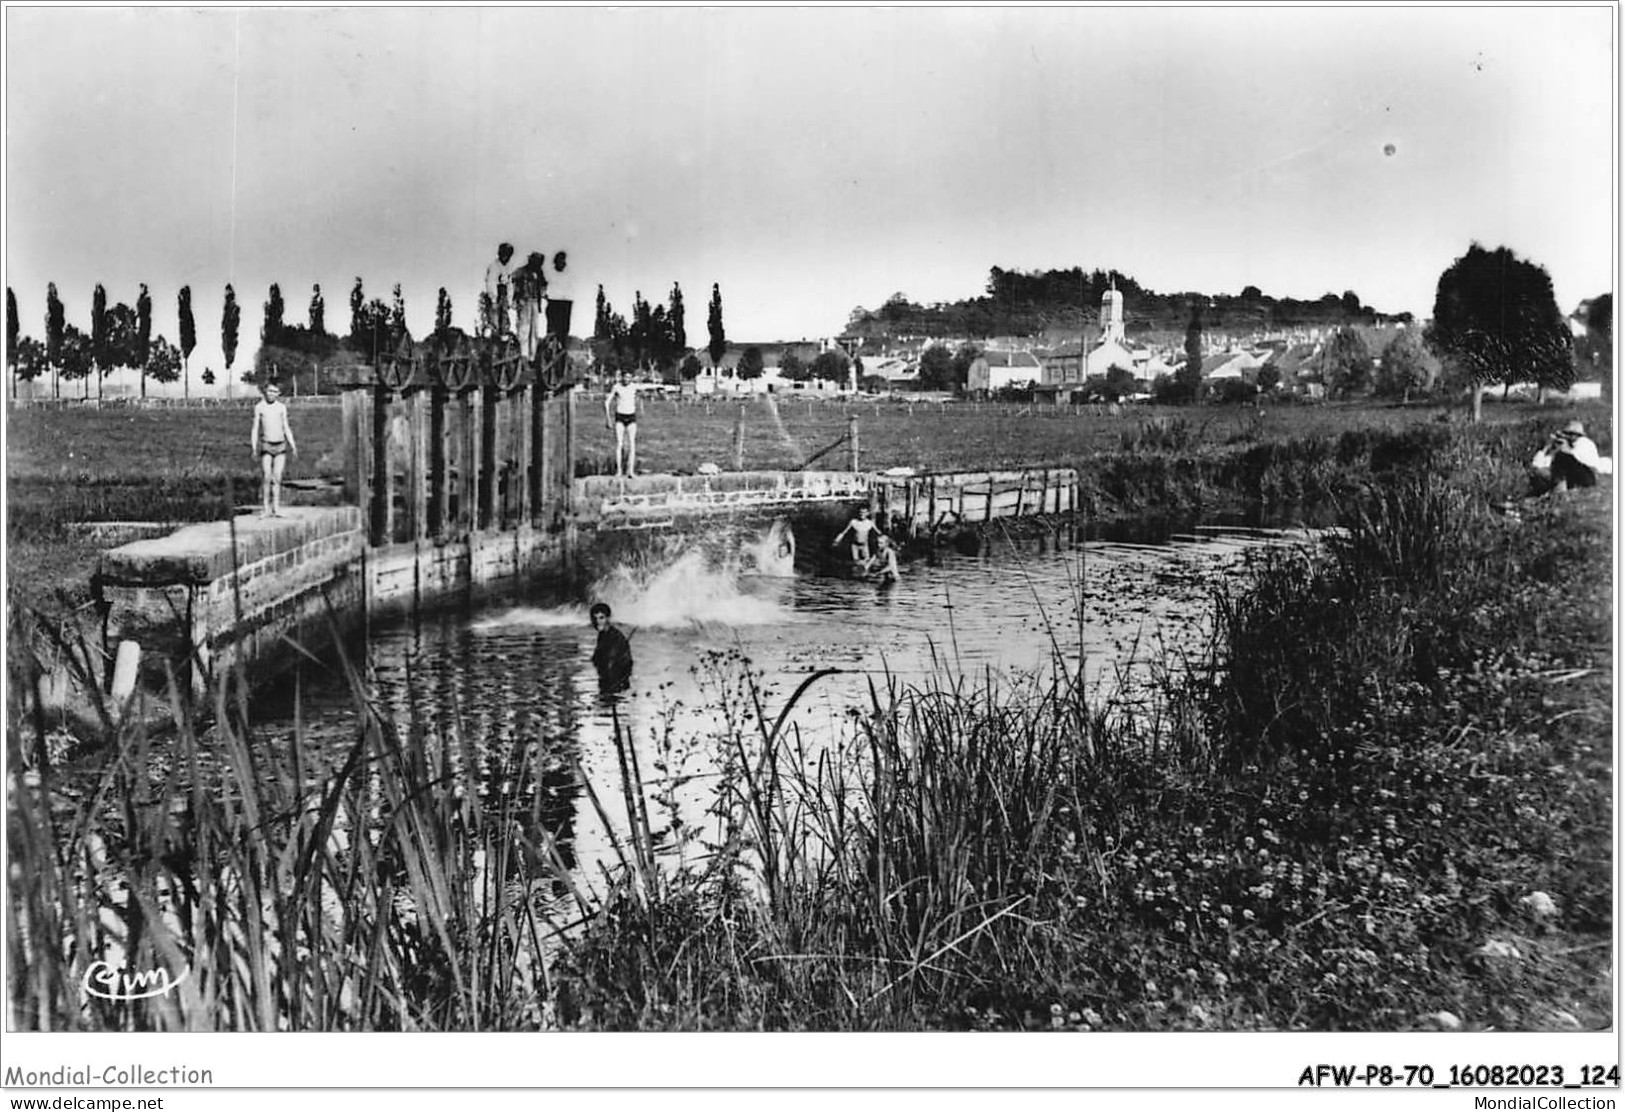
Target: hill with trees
[(1035, 303)]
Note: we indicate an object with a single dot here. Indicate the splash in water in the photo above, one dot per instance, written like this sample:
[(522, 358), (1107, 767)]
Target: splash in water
[(689, 590), (773, 553)]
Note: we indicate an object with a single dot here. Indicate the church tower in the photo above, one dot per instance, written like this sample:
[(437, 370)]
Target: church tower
[(1111, 314)]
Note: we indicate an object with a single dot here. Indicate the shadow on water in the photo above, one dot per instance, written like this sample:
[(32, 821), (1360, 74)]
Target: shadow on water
[(508, 687)]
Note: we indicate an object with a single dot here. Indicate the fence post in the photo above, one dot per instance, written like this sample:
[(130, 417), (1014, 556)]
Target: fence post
[(852, 432), (739, 439)]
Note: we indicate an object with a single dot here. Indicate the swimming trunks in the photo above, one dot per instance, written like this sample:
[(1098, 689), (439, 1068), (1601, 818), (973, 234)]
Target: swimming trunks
[(273, 447), (627, 418)]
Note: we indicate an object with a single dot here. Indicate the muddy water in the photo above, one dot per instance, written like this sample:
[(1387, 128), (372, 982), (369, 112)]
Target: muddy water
[(511, 681)]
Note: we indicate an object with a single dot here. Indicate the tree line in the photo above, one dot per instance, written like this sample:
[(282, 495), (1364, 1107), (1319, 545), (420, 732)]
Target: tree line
[(1495, 321), (121, 337)]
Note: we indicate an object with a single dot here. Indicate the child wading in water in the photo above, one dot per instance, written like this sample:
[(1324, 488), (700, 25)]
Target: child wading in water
[(271, 440)]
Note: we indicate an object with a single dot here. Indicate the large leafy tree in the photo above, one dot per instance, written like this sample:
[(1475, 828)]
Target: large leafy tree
[(831, 366), (188, 336), (1594, 352), (937, 368), (1496, 319), (793, 368), (751, 363), (230, 320), (31, 362), (718, 345), (163, 360), (1407, 366), (1346, 365)]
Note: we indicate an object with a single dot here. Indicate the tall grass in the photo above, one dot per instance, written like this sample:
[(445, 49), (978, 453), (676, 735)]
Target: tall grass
[(1396, 737)]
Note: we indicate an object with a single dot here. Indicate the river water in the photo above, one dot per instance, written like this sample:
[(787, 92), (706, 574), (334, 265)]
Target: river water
[(712, 618)]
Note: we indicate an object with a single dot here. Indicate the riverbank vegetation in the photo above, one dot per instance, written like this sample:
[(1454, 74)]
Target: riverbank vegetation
[(1382, 800), (71, 466)]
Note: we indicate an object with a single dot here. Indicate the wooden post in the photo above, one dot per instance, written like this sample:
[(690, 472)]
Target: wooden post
[(852, 433), (739, 439), (439, 473), (468, 455), (418, 482), (569, 450), (931, 506), (488, 455), (538, 452), (380, 466), (1021, 495)]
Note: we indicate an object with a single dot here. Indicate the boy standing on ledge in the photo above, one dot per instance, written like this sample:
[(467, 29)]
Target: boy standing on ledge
[(271, 440)]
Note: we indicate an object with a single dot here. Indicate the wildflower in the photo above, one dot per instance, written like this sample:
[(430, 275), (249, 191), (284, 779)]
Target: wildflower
[(1247, 914), (1223, 922), (1092, 1017), (1151, 988), (1196, 831), (1539, 904), (1444, 1021), (1055, 1009), (1220, 979), (1495, 948)]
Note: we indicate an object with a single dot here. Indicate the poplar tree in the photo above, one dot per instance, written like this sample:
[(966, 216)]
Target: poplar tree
[(713, 322), (188, 336), (98, 337), (271, 331), (11, 329), (143, 333), (397, 316), (358, 302), (55, 327), (318, 311), (442, 313), (230, 318), (674, 320)]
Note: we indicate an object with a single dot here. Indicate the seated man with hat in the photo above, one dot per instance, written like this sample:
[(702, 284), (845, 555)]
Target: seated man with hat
[(1568, 459)]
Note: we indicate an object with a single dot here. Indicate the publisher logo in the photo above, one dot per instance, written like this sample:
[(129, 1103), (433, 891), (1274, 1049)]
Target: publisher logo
[(103, 981)]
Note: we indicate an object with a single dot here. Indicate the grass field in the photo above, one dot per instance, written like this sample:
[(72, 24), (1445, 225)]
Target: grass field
[(124, 463)]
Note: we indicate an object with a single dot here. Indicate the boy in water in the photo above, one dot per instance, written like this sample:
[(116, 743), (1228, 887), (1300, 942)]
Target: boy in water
[(861, 527), (613, 654), (884, 563), (271, 440)]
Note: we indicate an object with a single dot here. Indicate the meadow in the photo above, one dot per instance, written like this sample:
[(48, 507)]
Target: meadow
[(1382, 800), (68, 465)]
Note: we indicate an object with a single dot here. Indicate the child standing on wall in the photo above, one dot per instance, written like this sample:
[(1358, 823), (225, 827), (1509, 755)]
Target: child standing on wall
[(271, 440)]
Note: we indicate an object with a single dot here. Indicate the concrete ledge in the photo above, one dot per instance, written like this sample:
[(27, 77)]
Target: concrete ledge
[(204, 552)]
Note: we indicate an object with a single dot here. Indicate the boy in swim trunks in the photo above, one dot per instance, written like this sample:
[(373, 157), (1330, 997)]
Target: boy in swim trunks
[(862, 528), (271, 440), (621, 414)]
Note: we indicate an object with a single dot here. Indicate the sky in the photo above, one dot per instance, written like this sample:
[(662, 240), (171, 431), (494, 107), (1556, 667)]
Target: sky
[(807, 161)]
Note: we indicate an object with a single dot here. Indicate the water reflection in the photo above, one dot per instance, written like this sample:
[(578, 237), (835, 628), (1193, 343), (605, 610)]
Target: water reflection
[(510, 691)]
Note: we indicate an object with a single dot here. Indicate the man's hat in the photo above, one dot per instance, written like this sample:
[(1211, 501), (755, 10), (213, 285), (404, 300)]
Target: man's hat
[(1575, 427)]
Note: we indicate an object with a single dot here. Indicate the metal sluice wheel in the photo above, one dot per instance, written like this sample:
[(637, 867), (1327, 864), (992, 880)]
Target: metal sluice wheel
[(504, 362)]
